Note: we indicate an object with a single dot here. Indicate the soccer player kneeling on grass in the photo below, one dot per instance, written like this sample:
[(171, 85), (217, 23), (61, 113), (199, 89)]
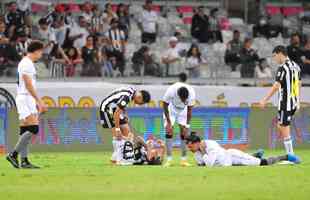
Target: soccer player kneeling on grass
[(210, 153), (113, 114), (29, 105), (135, 151)]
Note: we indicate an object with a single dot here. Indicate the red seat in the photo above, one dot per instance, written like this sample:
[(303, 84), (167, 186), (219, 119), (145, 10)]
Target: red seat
[(287, 11), (185, 9), (74, 8), (273, 10), (156, 8), (187, 20)]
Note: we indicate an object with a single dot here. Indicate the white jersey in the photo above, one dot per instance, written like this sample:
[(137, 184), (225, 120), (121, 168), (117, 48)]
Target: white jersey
[(171, 97), (215, 155), (218, 156), (26, 67)]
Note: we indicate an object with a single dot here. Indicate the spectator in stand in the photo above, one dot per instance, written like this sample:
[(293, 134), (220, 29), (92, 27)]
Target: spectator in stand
[(214, 33), (104, 50), (143, 63), (295, 52), (97, 21), (14, 19), (109, 13), (87, 12), (194, 61), (123, 18), (24, 6), (91, 58), (75, 59), (59, 60), (148, 24), (249, 58), (200, 25), (306, 59), (22, 42), (118, 41), (79, 33), (58, 11), (171, 58), (232, 56), (8, 55), (263, 70)]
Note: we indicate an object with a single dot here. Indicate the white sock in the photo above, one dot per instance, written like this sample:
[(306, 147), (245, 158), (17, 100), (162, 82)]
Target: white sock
[(169, 158), (183, 158), (114, 144), (288, 144)]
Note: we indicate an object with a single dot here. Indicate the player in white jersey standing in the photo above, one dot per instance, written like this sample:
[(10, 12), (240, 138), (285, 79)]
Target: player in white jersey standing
[(178, 101), (29, 105), (288, 84), (210, 153)]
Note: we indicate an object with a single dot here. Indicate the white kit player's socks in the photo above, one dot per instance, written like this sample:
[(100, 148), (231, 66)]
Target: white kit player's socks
[(288, 144)]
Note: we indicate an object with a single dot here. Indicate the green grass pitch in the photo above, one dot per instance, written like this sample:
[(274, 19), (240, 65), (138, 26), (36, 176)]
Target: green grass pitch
[(90, 176)]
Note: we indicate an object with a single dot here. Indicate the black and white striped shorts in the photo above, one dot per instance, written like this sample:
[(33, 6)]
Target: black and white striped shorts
[(107, 121)]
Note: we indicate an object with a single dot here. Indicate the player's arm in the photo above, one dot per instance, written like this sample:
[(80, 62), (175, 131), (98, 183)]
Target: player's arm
[(189, 114), (166, 112), (33, 93), (210, 158), (275, 87)]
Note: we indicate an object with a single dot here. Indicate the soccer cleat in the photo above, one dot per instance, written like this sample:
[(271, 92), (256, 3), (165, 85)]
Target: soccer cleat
[(168, 163), (184, 163), (27, 165), (259, 153), (293, 158), (13, 160)]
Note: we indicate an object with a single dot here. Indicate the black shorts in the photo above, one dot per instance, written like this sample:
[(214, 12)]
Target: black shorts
[(148, 37), (285, 117), (107, 121)]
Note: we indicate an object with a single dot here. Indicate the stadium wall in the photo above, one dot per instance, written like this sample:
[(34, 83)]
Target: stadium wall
[(78, 129)]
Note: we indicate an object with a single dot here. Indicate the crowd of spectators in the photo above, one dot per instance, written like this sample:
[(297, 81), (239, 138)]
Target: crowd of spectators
[(95, 42)]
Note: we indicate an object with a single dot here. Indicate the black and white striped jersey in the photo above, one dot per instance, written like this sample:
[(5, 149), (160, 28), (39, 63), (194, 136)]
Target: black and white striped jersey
[(288, 75), (118, 98)]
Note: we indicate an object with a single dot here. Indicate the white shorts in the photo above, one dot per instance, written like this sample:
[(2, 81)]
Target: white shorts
[(240, 158), (26, 105), (179, 117)]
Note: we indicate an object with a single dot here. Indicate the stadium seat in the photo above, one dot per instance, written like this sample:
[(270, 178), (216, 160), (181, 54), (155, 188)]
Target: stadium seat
[(187, 20), (185, 9), (272, 10)]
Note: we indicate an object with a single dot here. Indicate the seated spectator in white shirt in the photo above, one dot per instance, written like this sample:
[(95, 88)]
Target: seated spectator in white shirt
[(263, 70), (194, 61), (87, 12), (108, 13), (172, 58), (45, 34), (148, 24), (79, 33)]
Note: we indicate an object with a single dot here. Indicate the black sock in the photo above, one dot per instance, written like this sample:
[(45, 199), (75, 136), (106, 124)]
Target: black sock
[(14, 154)]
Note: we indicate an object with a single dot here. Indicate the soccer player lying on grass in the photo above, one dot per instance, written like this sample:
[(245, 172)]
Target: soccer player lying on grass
[(135, 151), (113, 112), (210, 153)]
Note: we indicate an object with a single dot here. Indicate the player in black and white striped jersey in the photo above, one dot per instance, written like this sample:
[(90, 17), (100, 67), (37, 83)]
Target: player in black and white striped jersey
[(113, 114), (288, 83)]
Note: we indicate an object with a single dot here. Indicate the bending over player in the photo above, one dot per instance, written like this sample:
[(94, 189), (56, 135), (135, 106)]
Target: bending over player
[(210, 153), (179, 100), (113, 114), (135, 151)]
